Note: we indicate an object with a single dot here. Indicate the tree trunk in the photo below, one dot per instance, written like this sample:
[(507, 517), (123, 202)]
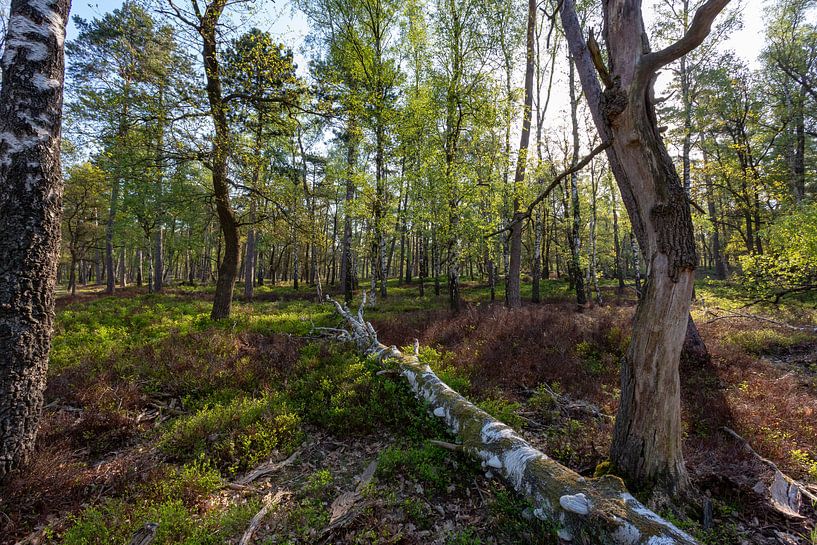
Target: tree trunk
[(616, 241), (72, 275), (346, 267), (514, 297), (30, 208), (647, 438), (249, 261), (228, 268), (575, 231)]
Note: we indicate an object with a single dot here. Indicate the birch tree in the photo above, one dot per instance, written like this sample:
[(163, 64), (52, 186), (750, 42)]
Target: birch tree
[(30, 209)]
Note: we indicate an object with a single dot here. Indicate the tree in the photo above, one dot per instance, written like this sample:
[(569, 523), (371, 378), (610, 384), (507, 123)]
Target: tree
[(791, 58), (30, 208), (82, 201), (109, 61), (262, 74), (204, 18), (513, 297), (647, 439)]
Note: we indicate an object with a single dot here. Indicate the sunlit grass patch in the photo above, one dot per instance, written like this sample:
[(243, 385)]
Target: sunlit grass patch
[(235, 435)]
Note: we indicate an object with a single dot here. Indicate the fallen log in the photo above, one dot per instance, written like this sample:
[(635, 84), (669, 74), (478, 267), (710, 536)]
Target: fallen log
[(583, 511)]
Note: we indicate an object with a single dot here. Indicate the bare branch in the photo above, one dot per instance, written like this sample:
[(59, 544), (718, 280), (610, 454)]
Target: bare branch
[(694, 36), (556, 181)]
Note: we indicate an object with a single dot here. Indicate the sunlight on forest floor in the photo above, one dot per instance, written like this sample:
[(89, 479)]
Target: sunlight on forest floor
[(153, 410)]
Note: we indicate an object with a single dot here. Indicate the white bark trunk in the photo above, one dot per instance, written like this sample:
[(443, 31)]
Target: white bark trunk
[(585, 511)]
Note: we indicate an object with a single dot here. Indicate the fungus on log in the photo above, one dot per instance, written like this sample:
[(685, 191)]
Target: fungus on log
[(584, 511)]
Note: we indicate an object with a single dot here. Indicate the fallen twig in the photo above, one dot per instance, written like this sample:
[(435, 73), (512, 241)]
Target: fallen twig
[(269, 503), (809, 329), (784, 494), (346, 507), (265, 469)]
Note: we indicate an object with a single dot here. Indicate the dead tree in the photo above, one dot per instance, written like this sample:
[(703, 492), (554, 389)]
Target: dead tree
[(647, 441), (585, 511)]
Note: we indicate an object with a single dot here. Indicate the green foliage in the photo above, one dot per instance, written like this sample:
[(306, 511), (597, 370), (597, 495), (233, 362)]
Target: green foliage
[(805, 460), (469, 536), (339, 391), (760, 341), (542, 398), (115, 521), (236, 435), (727, 532), (171, 501), (790, 261), (591, 357), (318, 482), (503, 410), (426, 464), (512, 520), (444, 366)]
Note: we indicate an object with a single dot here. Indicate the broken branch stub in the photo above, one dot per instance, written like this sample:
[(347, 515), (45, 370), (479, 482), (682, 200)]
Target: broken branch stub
[(584, 511)]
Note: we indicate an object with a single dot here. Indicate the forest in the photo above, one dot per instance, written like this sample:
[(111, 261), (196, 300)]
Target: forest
[(450, 272)]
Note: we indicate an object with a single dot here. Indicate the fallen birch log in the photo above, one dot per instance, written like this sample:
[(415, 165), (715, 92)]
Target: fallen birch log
[(584, 511)]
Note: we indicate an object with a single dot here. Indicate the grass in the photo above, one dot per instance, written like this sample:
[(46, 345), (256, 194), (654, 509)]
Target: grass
[(236, 435), (249, 388)]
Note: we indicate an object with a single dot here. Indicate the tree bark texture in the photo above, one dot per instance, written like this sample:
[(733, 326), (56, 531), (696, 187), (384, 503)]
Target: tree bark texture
[(647, 439), (30, 211)]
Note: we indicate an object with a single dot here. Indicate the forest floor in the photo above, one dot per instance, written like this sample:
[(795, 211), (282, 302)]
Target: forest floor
[(156, 414)]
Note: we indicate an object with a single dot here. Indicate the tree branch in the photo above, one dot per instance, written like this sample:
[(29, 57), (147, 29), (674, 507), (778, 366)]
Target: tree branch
[(556, 181), (694, 36)]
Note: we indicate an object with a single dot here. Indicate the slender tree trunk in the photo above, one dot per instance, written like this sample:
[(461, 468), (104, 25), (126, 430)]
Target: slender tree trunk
[(30, 214), (514, 297), (228, 268), (575, 232), (346, 266), (121, 269), (158, 251), (139, 268), (72, 275), (616, 241)]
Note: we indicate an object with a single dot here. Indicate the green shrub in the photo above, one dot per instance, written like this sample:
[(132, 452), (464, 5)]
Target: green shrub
[(116, 521), (511, 518), (340, 392), (503, 410), (426, 464), (442, 363), (467, 536), (759, 341), (236, 435)]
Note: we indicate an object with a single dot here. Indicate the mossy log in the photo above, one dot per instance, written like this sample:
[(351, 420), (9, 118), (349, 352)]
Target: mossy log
[(583, 511)]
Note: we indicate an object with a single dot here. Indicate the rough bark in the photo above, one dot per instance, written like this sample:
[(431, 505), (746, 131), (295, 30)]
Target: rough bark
[(584, 511), (30, 209), (228, 268), (647, 439)]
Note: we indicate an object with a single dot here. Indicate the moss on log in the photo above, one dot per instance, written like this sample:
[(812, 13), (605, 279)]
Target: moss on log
[(584, 511)]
